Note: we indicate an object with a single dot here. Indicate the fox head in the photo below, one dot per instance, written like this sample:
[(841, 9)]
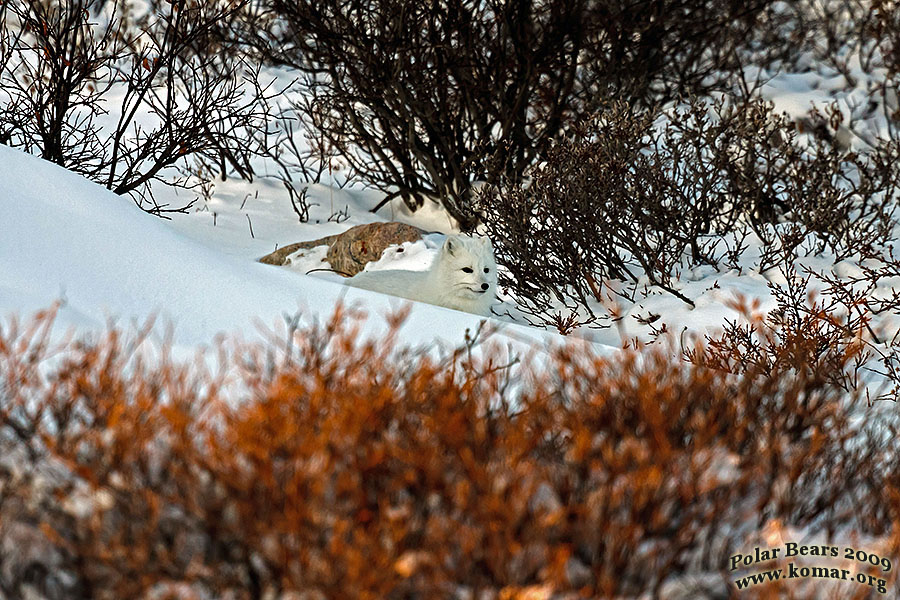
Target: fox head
[(467, 265)]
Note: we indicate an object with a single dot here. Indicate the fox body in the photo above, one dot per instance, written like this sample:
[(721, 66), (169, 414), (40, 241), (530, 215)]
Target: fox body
[(463, 277)]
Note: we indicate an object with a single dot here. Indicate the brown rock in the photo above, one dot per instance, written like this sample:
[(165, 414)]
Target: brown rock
[(279, 257), (349, 252), (363, 244)]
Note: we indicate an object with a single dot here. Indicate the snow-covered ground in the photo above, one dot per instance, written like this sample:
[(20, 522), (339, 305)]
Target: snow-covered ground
[(62, 237), (65, 238)]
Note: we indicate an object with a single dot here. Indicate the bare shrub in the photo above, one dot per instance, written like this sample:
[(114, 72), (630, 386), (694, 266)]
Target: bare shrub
[(860, 41), (846, 198), (421, 101), (125, 105), (641, 194)]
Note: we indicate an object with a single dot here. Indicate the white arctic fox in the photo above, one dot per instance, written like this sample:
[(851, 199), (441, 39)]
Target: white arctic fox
[(463, 276)]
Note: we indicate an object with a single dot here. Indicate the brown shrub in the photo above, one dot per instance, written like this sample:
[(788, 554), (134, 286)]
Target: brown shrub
[(325, 467), (423, 101), (638, 196), (823, 325)]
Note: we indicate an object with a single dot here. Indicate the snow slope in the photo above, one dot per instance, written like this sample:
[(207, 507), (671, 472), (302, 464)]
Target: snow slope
[(64, 237)]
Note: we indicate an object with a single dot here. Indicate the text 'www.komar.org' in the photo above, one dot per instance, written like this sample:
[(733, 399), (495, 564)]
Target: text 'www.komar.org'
[(815, 572)]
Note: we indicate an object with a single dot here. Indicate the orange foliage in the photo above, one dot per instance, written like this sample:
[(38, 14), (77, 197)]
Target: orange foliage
[(321, 466)]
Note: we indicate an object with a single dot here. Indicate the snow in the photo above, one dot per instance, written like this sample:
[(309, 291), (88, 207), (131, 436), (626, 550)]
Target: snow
[(64, 237)]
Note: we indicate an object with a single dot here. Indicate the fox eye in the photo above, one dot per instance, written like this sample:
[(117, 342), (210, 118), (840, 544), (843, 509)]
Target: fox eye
[(468, 270), (486, 270)]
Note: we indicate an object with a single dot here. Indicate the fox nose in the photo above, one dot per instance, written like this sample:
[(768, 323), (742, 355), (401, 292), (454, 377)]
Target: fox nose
[(485, 286)]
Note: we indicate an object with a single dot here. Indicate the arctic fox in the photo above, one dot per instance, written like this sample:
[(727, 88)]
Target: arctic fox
[(463, 276)]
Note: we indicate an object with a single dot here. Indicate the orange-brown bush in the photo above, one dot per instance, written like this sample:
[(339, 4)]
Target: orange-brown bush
[(325, 467), (832, 332)]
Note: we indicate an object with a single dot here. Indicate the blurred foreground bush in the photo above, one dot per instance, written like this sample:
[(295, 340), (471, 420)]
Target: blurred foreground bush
[(325, 467)]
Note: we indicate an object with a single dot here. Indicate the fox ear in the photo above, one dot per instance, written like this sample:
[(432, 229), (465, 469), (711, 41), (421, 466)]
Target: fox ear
[(450, 246)]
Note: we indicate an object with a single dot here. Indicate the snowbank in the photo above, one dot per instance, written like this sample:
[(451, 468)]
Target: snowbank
[(64, 237)]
